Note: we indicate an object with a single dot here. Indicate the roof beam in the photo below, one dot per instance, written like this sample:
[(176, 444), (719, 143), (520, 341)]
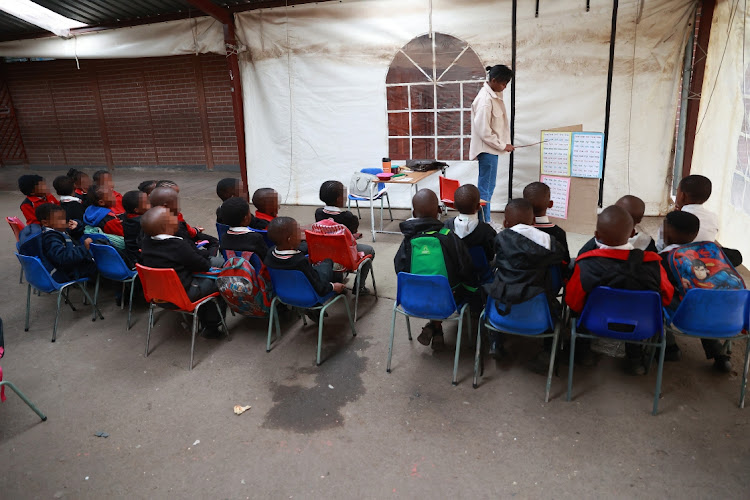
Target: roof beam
[(221, 14)]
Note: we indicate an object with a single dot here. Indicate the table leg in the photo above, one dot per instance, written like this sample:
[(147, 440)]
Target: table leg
[(372, 214)]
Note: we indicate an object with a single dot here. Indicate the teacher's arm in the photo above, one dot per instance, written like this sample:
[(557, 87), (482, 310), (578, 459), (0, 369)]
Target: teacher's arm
[(482, 124)]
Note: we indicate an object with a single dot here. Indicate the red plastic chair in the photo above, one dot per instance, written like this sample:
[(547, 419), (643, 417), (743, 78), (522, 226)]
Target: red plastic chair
[(448, 190), (162, 287), (16, 226), (339, 250)]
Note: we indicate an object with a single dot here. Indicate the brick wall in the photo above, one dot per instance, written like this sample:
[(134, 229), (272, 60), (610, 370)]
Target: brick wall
[(127, 112)]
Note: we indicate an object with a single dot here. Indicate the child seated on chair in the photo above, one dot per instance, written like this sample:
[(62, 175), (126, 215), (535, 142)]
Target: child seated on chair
[(225, 189), (640, 239), (285, 233), (136, 204), (100, 212), (523, 256), (168, 197), (192, 231), (236, 214), (104, 178), (65, 189), (81, 184), (35, 189), (332, 193), (467, 226), (163, 249), (617, 264), (538, 194), (681, 228), (455, 255), (266, 201), (69, 260)]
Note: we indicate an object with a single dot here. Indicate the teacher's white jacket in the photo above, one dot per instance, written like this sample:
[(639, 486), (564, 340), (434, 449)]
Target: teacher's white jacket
[(490, 132)]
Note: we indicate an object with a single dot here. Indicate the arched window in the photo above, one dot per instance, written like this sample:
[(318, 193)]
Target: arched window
[(430, 86)]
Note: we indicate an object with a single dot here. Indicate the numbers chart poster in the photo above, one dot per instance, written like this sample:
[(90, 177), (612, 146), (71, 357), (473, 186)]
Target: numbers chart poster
[(586, 154), (556, 150), (559, 193)]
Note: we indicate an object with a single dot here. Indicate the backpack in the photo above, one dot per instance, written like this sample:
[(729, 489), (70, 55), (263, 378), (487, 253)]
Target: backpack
[(427, 254), (704, 265), (359, 185), (96, 234), (30, 241), (245, 289)]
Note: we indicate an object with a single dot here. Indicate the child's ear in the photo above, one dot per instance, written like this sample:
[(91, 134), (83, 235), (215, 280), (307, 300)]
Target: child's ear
[(551, 204), (505, 223), (596, 235), (633, 232)]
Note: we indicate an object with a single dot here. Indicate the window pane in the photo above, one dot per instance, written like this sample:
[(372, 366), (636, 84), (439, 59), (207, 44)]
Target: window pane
[(423, 149), (467, 142), (397, 98), (403, 71), (422, 97), (449, 149), (398, 149), (448, 96), (470, 92), (449, 123), (467, 123), (447, 49), (420, 50), (398, 124), (423, 123), (467, 67)]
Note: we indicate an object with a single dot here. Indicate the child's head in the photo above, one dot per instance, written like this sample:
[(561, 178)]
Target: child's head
[(538, 194), (159, 220), (680, 228), (104, 178), (284, 232), (466, 199), (228, 187), (235, 212), (614, 226), (634, 206), (147, 186), (168, 184), (51, 215), (165, 197), (693, 190), (32, 185), (81, 180), (425, 204), (266, 200), (101, 196), (332, 193), (135, 202), (63, 185), (519, 211)]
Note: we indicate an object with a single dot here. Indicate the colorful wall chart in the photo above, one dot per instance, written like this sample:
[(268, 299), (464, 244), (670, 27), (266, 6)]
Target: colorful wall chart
[(574, 154), (556, 153), (559, 193)]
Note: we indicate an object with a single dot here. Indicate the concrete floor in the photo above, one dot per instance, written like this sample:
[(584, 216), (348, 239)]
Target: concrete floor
[(347, 428)]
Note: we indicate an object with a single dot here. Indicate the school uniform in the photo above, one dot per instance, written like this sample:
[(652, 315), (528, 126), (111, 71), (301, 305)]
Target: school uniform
[(474, 233), (65, 259), (73, 207), (118, 208), (343, 217), (641, 241), (211, 250), (260, 221), (104, 218), (242, 239), (83, 196), (30, 204), (131, 229), (319, 275), (543, 224)]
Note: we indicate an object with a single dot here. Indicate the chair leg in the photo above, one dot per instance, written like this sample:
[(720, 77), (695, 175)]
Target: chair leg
[(390, 342), (475, 383), (351, 321), (359, 214), (57, 314), (389, 206), (20, 279), (122, 297), (28, 306), (320, 334), (744, 373), (659, 371), (150, 324), (67, 299), (572, 358), (458, 342), (192, 342), (372, 217), (130, 306), (93, 304), (96, 296), (408, 327), (374, 286), (555, 340), (381, 213), (356, 293), (25, 399), (271, 315), (223, 323)]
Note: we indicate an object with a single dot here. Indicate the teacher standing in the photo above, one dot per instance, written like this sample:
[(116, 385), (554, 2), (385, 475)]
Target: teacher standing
[(490, 132)]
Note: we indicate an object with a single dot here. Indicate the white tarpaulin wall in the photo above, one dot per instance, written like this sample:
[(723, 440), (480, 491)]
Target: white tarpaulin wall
[(720, 123), (315, 95)]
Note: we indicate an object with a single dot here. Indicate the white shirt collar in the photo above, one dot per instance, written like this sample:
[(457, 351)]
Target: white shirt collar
[(541, 220), (161, 237), (539, 237), (65, 199), (240, 229), (669, 248), (641, 240), (329, 208), (285, 252), (465, 224), (489, 90), (626, 246)]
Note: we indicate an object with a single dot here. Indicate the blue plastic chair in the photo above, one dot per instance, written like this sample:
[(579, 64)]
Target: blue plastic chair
[(427, 297), (270, 244), (379, 195), (481, 265), (716, 314), (111, 266), (221, 230), (529, 319), (293, 289), (630, 316), (40, 279)]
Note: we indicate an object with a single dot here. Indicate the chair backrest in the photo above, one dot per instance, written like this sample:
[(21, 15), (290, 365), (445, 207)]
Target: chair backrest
[(556, 277), (527, 318), (270, 244), (331, 246), (110, 263), (252, 257), (713, 313), (622, 314), (425, 296), (448, 188), (37, 275), (221, 230), (16, 225), (481, 265), (294, 288), (374, 171), (163, 285)]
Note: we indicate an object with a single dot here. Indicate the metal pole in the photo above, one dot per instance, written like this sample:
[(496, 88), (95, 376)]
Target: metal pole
[(687, 69)]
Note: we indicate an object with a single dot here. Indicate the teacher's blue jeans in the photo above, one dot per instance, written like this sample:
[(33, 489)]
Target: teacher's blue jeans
[(487, 180)]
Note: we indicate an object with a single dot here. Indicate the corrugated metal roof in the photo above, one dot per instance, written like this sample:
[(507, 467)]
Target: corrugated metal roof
[(105, 11), (11, 25)]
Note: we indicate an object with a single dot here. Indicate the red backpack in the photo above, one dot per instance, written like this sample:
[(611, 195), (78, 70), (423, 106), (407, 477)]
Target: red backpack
[(246, 289)]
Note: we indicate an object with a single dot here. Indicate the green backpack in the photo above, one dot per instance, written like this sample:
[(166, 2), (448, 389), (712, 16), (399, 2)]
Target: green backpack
[(427, 254)]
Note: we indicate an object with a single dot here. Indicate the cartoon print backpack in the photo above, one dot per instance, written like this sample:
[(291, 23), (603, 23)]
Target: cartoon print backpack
[(703, 264), (427, 254), (246, 290)]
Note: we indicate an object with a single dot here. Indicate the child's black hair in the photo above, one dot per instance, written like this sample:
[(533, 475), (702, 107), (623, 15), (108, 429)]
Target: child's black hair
[(684, 223), (27, 183), (234, 210), (466, 198), (280, 228), (95, 194), (226, 187), (130, 201), (697, 188), (500, 72), (166, 183), (330, 192), (147, 186), (98, 175), (45, 211), (261, 198), (64, 185), (538, 193), (76, 175)]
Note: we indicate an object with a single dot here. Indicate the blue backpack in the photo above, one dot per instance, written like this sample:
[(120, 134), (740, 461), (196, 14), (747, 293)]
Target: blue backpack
[(702, 264)]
